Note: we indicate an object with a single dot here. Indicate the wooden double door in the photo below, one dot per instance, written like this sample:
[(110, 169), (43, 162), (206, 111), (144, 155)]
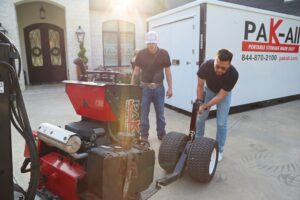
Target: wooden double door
[(45, 53)]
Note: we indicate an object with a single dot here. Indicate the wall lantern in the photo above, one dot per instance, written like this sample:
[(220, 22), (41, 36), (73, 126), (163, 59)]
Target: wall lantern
[(80, 34), (42, 13)]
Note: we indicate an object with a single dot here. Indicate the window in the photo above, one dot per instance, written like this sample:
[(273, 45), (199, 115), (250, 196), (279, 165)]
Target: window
[(36, 48), (54, 44), (118, 43)]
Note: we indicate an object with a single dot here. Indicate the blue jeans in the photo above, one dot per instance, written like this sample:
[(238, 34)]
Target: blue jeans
[(157, 96), (222, 115)]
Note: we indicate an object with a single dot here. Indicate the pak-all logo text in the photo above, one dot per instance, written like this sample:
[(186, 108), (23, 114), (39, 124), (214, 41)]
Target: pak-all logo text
[(269, 40)]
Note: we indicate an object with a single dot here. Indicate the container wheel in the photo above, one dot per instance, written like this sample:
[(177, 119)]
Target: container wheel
[(203, 159), (170, 150)]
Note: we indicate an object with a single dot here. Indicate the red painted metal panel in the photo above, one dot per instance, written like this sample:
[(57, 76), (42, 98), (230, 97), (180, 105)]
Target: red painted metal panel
[(90, 101), (60, 175)]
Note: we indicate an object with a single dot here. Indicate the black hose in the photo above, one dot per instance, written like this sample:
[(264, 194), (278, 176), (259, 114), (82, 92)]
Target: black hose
[(19, 119), (15, 124), (19, 60)]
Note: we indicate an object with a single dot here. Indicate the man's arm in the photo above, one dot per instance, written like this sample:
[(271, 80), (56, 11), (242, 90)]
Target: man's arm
[(200, 87), (135, 75), (169, 81)]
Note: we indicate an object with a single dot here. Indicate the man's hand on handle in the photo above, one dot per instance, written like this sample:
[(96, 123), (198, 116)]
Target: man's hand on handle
[(203, 107)]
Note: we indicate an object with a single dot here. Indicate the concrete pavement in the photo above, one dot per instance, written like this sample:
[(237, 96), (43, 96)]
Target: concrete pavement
[(261, 157)]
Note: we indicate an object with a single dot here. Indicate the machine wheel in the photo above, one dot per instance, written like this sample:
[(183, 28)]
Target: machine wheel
[(170, 150), (203, 159)]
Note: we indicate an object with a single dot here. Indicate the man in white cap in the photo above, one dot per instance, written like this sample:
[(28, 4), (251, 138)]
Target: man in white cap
[(152, 62)]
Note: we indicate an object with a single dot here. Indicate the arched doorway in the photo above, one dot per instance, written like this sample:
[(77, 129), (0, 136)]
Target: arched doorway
[(45, 53)]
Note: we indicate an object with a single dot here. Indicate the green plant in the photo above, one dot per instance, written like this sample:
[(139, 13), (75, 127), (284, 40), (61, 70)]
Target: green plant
[(81, 53)]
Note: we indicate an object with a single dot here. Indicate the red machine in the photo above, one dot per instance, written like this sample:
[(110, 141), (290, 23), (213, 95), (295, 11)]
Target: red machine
[(99, 157)]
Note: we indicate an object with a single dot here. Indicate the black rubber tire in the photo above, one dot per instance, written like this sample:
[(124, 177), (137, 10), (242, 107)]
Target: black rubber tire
[(199, 159), (171, 147)]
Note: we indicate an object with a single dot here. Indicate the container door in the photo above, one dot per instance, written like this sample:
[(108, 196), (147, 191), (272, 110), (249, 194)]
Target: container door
[(178, 39)]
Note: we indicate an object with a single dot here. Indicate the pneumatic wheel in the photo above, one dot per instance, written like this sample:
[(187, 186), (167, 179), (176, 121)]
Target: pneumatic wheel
[(203, 159), (170, 150)]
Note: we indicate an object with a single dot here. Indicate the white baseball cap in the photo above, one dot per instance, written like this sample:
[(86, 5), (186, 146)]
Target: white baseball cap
[(151, 37)]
